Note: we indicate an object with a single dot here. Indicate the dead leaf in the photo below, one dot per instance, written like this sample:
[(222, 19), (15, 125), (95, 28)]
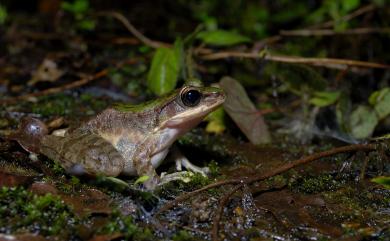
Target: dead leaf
[(106, 237), (42, 188), (11, 180), (243, 112), (22, 237), (89, 201), (47, 71)]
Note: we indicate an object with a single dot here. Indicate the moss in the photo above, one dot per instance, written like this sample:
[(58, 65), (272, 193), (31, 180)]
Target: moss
[(214, 169), (21, 210), (126, 225), (92, 102), (63, 105), (198, 181), (183, 235), (175, 188), (53, 105), (315, 184), (346, 198), (276, 181)]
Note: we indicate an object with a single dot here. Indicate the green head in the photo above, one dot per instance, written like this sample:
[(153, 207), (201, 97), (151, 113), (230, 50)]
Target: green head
[(184, 107)]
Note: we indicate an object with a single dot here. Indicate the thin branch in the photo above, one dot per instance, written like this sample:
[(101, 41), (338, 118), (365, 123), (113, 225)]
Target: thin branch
[(270, 40), (188, 195), (324, 62), (354, 14), (330, 32), (274, 172), (145, 40), (55, 90), (311, 158), (219, 212)]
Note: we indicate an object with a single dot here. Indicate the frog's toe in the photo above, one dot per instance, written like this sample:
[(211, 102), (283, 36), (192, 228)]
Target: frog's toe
[(184, 162), (183, 176), (151, 183), (205, 171), (191, 167)]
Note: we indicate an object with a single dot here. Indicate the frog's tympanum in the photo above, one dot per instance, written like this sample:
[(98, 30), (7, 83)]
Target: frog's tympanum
[(125, 139)]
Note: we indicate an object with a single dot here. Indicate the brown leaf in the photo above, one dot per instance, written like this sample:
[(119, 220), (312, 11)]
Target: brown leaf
[(243, 112), (22, 237), (106, 237), (47, 71), (11, 180), (90, 201), (41, 188)]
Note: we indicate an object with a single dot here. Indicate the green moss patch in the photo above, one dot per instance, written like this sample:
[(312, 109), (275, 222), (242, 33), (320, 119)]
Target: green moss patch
[(23, 211)]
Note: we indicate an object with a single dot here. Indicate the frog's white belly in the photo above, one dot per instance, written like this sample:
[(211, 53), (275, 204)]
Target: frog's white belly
[(154, 149)]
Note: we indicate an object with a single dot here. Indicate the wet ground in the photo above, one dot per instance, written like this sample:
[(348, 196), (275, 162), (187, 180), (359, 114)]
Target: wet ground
[(331, 198)]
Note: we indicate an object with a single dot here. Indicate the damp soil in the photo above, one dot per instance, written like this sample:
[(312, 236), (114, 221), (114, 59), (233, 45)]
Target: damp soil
[(331, 198)]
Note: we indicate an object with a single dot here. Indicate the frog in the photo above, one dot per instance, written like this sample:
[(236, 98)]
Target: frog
[(125, 139)]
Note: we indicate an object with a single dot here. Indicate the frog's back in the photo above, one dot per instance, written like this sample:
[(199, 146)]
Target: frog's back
[(125, 131), (117, 122)]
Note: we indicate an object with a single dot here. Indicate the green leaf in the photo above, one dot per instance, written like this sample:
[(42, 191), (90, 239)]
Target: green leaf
[(362, 122), (76, 7), (163, 73), (325, 98), (3, 14), (142, 179), (349, 5), (381, 101), (383, 180), (86, 24), (115, 181), (222, 38), (216, 121)]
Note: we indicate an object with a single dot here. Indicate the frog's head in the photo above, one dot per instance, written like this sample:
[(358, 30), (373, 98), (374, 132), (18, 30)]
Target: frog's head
[(187, 106)]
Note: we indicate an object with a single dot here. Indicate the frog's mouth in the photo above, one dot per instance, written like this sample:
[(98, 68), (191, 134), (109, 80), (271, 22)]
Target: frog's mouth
[(193, 116)]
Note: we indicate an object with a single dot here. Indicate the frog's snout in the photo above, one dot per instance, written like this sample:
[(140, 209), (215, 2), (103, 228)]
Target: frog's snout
[(217, 96)]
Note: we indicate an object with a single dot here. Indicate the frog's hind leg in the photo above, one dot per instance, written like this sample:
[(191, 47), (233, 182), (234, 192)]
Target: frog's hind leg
[(84, 153)]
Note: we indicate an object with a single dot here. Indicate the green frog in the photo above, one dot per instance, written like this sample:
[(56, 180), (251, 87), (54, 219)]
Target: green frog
[(125, 139)]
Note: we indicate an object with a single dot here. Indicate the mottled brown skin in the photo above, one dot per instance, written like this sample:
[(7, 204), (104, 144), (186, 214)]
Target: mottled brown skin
[(130, 140)]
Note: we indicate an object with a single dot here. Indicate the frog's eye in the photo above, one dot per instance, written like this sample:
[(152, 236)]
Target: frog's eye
[(191, 97)]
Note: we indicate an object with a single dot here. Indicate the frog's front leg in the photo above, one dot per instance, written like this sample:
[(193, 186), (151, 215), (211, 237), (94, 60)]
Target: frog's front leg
[(145, 168), (145, 165)]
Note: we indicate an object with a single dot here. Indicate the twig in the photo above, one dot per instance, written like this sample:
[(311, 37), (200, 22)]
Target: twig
[(274, 172), (354, 14), (54, 90), (308, 159), (330, 32), (145, 40), (325, 62), (368, 8), (219, 212)]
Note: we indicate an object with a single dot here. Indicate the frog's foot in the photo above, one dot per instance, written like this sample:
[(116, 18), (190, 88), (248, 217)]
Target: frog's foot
[(151, 183), (184, 176), (183, 161)]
